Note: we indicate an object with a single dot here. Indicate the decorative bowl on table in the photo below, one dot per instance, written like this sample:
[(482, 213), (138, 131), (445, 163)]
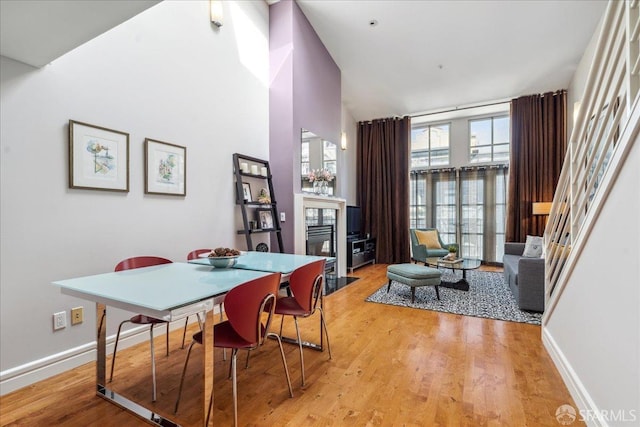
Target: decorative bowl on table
[(221, 261), (222, 257)]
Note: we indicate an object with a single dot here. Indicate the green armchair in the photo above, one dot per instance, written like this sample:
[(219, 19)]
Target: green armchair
[(420, 252)]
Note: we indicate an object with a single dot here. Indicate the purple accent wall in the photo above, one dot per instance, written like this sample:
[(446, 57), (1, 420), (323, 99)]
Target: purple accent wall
[(304, 93)]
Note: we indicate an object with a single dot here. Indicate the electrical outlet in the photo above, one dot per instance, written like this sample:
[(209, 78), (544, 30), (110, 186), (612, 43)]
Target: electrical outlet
[(283, 217), (77, 315), (59, 320)]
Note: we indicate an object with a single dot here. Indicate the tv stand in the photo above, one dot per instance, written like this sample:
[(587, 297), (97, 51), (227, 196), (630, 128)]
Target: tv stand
[(360, 251)]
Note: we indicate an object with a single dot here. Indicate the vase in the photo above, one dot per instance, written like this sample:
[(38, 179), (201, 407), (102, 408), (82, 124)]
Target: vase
[(324, 188), (316, 187)]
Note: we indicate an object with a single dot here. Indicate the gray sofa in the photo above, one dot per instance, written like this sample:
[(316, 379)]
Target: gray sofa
[(525, 277)]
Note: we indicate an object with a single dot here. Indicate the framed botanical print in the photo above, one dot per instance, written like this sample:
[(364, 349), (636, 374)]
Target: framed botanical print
[(98, 158), (165, 168)]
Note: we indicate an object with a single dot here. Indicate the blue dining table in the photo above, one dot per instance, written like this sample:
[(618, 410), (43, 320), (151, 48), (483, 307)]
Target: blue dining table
[(169, 292), (269, 262)]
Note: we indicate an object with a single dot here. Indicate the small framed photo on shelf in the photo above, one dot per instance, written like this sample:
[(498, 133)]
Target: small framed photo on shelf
[(98, 158), (165, 168), (265, 219), (246, 192)]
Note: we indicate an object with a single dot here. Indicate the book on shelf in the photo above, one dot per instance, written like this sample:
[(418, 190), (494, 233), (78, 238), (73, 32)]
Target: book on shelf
[(450, 261)]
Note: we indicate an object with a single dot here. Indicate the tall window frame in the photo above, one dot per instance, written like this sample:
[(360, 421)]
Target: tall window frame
[(430, 145), (305, 165), (330, 156), (489, 139), (433, 201)]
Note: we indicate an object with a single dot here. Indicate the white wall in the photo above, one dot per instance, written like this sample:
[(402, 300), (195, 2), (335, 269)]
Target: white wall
[(579, 81), (166, 74), (594, 331), (348, 160)]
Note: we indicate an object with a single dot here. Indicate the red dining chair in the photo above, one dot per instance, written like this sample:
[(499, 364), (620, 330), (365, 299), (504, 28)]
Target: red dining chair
[(305, 284), (140, 319), (243, 329)]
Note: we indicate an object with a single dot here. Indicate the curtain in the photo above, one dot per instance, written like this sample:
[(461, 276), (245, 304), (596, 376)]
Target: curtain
[(538, 144), (383, 185)]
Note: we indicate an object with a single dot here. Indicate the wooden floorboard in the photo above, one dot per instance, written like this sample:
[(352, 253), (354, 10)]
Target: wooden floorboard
[(391, 366)]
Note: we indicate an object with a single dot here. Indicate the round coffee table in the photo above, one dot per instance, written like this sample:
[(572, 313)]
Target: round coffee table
[(464, 265)]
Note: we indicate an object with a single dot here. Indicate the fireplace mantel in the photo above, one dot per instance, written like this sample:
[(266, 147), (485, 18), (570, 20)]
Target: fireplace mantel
[(304, 201)]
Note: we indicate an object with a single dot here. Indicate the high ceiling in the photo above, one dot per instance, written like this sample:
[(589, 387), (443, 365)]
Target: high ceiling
[(422, 56), (38, 31), (430, 55)]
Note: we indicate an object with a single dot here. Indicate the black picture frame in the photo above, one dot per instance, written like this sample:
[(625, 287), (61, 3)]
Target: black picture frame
[(265, 219), (246, 192)]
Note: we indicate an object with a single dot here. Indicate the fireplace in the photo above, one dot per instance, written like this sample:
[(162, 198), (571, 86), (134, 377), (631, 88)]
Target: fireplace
[(320, 240), (304, 201)]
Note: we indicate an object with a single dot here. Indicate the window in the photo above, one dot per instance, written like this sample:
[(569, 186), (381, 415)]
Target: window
[(429, 145), (467, 206), (329, 156), (472, 217), (489, 140), (304, 159), (433, 202)]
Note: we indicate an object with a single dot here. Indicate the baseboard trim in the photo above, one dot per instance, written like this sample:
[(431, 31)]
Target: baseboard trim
[(24, 375), (577, 390)]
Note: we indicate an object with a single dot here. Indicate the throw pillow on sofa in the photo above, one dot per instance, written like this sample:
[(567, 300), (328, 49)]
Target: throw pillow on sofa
[(533, 247), (429, 238)]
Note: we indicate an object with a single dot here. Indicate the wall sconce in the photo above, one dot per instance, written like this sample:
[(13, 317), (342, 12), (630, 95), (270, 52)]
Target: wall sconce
[(215, 8), (343, 141)]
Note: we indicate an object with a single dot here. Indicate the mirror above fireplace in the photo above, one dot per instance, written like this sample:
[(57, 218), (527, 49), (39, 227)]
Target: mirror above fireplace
[(317, 153)]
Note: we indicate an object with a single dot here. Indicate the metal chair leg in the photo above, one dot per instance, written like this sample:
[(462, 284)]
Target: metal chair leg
[(115, 349), (295, 319), (234, 355), (284, 361), (281, 322), (184, 371), (326, 331)]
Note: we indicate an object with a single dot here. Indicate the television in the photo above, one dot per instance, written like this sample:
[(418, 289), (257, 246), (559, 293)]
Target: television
[(353, 221)]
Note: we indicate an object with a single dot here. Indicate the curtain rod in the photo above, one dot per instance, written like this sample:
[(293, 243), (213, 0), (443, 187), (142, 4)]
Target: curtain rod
[(460, 109)]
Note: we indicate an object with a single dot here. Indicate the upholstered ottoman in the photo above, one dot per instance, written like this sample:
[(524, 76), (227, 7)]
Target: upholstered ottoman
[(414, 275)]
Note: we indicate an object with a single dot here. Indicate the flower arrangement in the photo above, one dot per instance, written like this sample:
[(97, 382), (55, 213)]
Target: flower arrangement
[(320, 175)]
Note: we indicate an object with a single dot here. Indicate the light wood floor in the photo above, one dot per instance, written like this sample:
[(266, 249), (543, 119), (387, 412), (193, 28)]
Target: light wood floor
[(391, 366)]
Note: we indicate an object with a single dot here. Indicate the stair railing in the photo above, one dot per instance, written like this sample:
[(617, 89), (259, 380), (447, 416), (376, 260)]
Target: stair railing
[(605, 127)]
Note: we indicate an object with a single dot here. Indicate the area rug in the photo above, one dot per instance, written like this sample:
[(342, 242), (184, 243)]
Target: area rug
[(488, 296)]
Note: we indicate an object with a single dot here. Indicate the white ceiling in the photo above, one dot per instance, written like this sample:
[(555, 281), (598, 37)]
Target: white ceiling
[(38, 31), (431, 55), (422, 56)]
